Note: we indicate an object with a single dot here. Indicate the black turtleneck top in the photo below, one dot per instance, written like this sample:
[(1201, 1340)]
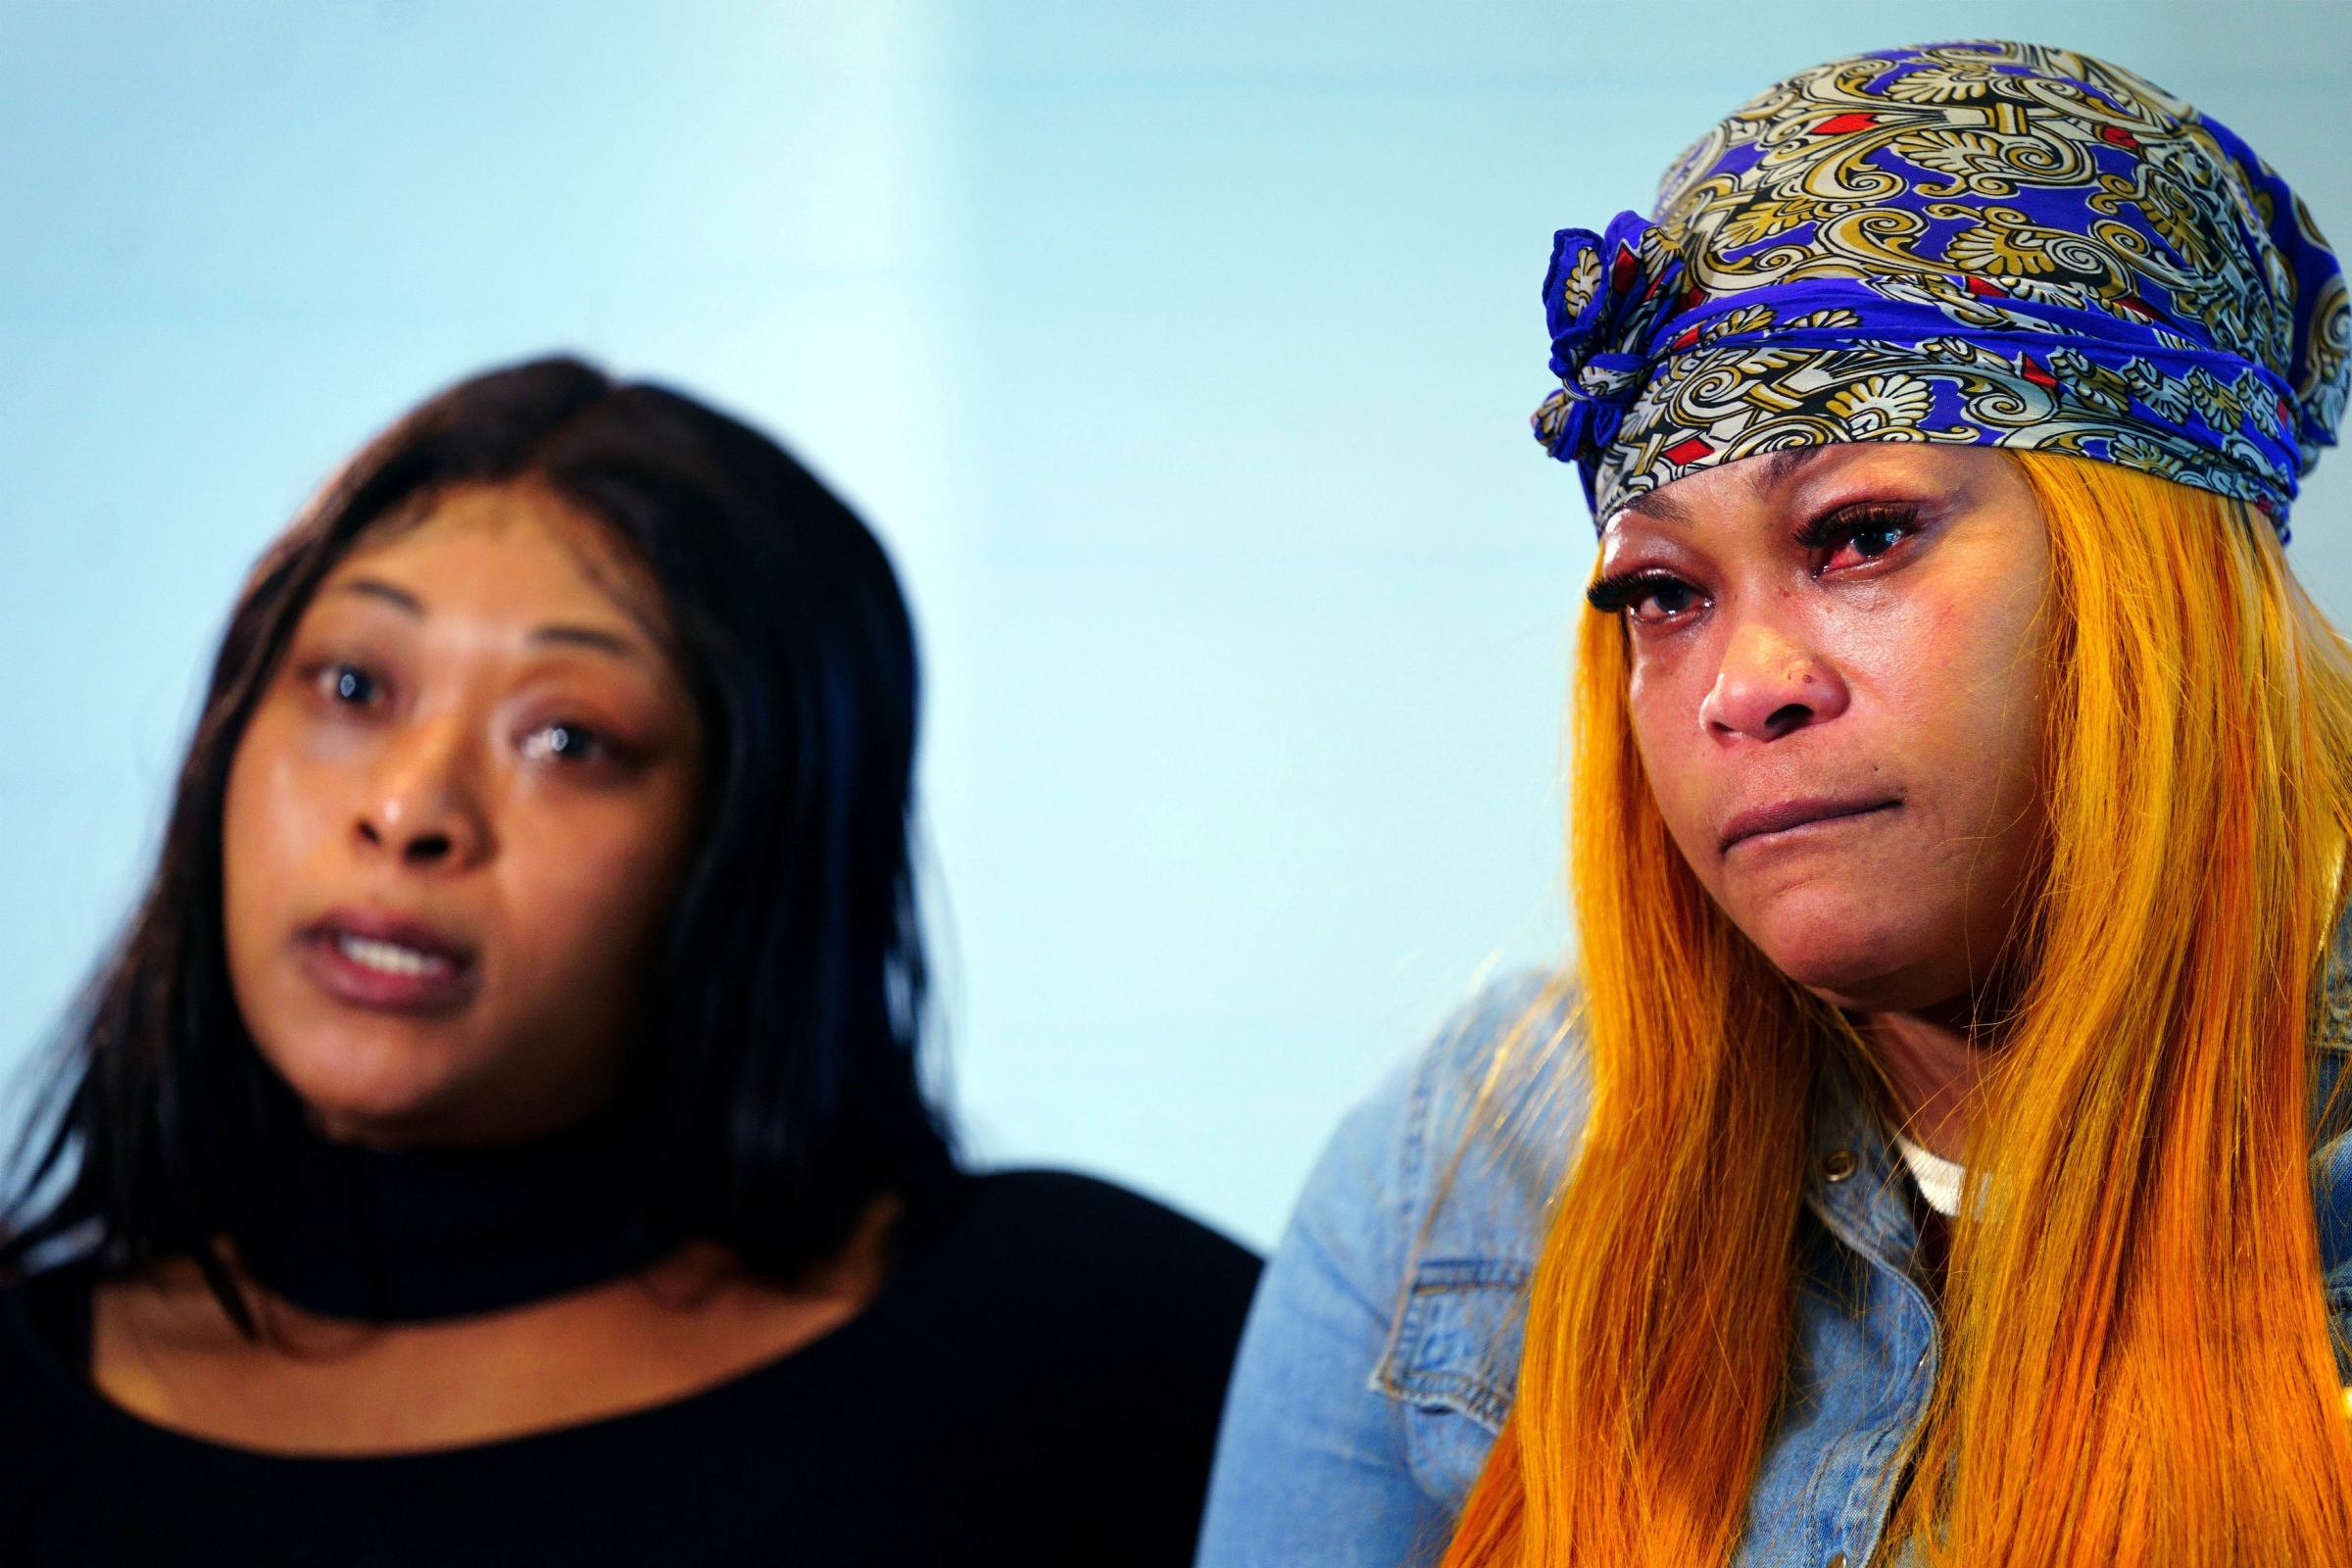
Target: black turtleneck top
[(1037, 1381)]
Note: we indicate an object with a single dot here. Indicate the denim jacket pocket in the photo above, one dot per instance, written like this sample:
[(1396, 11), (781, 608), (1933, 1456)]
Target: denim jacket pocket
[(1452, 1361)]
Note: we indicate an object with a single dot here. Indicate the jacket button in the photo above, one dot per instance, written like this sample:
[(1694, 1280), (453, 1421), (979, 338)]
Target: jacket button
[(1837, 1167), (1839, 1561)]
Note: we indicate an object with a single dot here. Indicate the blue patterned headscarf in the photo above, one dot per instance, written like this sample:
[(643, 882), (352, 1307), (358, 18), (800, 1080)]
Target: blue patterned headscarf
[(1993, 244)]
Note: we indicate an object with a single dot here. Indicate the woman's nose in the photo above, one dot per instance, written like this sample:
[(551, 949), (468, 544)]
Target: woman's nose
[(420, 805), (1770, 684)]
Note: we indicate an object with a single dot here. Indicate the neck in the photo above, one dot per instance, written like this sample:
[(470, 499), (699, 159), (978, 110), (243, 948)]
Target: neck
[(1933, 1063), (395, 1236)]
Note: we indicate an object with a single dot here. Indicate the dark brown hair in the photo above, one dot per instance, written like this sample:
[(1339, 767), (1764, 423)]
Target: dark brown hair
[(777, 1086)]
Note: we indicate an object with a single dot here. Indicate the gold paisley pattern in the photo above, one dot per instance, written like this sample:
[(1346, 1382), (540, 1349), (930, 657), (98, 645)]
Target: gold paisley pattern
[(1986, 243)]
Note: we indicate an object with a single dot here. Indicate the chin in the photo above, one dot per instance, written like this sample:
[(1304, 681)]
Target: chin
[(365, 1089), (1849, 949)]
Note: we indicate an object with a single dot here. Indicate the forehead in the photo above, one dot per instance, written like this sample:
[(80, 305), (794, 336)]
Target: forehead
[(515, 549)]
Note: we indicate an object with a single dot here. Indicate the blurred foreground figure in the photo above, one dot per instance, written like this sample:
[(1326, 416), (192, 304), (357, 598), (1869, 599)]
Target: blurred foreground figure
[(497, 1137)]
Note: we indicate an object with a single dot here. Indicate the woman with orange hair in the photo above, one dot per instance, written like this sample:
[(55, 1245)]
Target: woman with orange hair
[(1932, 1155)]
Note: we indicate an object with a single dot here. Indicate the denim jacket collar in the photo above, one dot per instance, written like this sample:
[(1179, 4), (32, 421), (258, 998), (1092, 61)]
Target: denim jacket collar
[(1855, 1183)]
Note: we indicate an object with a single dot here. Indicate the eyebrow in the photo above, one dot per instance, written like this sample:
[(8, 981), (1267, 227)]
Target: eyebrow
[(1659, 506), (1782, 466), (587, 637), (569, 636), (370, 588), (1771, 474)]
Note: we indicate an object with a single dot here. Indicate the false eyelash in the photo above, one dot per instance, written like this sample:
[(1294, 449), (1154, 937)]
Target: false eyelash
[(1619, 590), (1838, 526)]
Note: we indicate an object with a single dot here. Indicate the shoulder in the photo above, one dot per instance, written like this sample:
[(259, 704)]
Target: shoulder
[(1072, 1247), (1462, 1149), (1084, 1333), (1060, 1211), (1392, 1312), (1489, 1117), (1501, 1095), (44, 1346)]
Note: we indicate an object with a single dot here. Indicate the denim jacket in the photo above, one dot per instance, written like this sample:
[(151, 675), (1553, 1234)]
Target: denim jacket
[(1381, 1351)]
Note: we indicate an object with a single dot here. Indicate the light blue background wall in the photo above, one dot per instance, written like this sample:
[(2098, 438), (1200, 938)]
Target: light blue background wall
[(1182, 354)]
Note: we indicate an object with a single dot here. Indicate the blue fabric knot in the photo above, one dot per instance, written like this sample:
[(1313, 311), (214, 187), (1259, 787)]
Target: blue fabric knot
[(1604, 296), (1996, 244)]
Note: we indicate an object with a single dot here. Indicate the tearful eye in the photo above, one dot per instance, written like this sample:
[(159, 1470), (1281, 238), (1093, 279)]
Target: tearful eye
[(564, 742), (1865, 544), (1663, 600), (1856, 536), (1645, 595)]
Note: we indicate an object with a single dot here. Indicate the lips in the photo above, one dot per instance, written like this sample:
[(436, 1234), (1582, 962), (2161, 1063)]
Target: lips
[(1780, 817), (387, 962)]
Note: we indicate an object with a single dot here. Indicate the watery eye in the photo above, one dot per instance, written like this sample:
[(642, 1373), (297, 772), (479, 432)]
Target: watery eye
[(560, 742), (1857, 536), (1663, 601), (1645, 595), (1868, 543)]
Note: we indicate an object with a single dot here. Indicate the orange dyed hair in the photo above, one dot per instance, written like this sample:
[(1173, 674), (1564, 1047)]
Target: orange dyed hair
[(2137, 1364)]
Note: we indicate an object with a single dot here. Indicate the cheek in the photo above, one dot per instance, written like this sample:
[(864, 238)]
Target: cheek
[(1970, 673), (1663, 700), (587, 883), (274, 815)]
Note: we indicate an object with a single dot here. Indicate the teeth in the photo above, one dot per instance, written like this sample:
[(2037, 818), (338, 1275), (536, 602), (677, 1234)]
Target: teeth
[(390, 957)]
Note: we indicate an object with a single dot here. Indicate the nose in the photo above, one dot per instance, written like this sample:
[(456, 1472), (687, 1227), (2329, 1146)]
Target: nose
[(1770, 684), (420, 805)]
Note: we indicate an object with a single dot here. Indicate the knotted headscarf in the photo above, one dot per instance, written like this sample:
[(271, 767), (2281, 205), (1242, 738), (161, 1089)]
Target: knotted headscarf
[(1993, 244)]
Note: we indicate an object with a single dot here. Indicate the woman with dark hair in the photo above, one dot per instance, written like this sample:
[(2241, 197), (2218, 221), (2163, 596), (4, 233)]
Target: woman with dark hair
[(499, 1136)]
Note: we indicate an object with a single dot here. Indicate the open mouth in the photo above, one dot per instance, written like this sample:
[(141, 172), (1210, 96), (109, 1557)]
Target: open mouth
[(390, 957), (387, 965)]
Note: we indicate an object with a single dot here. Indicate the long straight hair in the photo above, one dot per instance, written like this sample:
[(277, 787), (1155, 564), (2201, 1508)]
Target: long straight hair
[(2138, 1360), (775, 1086)]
